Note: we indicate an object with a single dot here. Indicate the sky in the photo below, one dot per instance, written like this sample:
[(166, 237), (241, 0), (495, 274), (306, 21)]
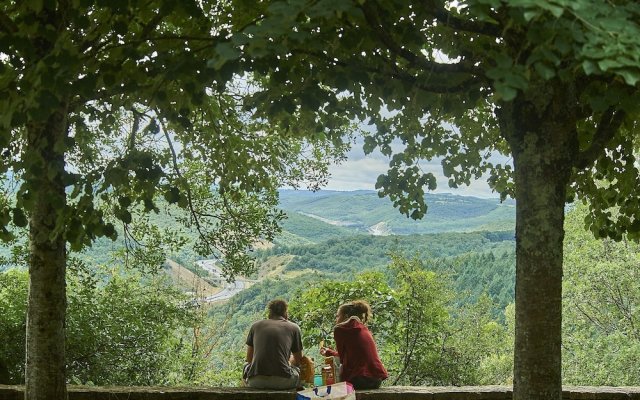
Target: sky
[(360, 172)]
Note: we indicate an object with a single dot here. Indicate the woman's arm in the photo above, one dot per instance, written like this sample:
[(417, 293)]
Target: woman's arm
[(326, 351)]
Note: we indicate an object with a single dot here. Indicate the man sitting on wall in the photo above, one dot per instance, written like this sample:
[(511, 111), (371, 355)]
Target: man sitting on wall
[(270, 344)]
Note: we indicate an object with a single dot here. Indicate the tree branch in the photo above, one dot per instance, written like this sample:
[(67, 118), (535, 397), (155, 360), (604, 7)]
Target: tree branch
[(610, 122), (414, 59), (135, 126), (174, 159), (6, 24), (451, 21), (438, 84)]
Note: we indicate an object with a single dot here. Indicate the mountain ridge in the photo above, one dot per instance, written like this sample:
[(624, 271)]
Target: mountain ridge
[(325, 214)]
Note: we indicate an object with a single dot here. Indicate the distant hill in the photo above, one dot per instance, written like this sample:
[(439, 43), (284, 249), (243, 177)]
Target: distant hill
[(317, 216)]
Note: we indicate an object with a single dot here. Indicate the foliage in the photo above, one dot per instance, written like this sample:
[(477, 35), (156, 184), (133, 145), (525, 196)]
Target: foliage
[(490, 272), (552, 84), (424, 299), (422, 337), (315, 307), (109, 106), (497, 367), (360, 210), (13, 308), (122, 328), (602, 302), (469, 258)]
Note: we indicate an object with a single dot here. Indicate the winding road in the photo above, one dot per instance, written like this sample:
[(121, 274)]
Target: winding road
[(230, 288)]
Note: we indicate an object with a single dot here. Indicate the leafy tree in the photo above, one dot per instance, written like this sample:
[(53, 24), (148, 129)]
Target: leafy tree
[(126, 329), (421, 334), (601, 344), (421, 318), (497, 367), (480, 345), (13, 308), (551, 83), (108, 105), (123, 328), (314, 309)]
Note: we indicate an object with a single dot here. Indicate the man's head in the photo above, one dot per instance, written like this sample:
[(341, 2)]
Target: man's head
[(278, 308)]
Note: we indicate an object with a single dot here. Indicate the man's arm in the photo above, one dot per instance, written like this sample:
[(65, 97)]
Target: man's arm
[(249, 353), (297, 358)]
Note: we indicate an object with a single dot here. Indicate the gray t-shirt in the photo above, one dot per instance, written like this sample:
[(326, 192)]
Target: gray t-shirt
[(273, 341)]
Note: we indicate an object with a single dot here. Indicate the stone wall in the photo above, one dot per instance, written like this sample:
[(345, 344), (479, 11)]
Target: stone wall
[(386, 393)]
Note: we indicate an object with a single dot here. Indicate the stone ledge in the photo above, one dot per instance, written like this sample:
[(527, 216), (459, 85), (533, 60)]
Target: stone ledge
[(386, 393)]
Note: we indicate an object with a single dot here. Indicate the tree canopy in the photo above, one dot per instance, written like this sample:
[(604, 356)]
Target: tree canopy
[(89, 87), (551, 84), (110, 105)]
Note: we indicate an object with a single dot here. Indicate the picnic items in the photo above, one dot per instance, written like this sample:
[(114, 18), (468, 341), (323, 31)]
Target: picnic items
[(329, 371), (307, 371), (338, 391), (328, 377)]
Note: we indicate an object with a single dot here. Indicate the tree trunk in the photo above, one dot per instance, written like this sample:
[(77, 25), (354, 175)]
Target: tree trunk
[(45, 358), (544, 145)]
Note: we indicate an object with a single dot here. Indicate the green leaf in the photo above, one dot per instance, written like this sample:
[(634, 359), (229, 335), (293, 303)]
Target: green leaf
[(531, 14), (172, 195), (19, 218), (35, 5), (110, 231), (506, 93), (123, 215), (124, 201), (590, 67), (609, 63), (555, 10), (544, 70), (369, 145), (630, 76), (225, 52)]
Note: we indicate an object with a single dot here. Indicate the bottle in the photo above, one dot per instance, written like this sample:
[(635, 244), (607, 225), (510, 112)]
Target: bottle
[(331, 362), (327, 375), (336, 369)]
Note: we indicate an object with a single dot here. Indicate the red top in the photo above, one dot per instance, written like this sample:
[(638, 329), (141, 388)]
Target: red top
[(357, 351)]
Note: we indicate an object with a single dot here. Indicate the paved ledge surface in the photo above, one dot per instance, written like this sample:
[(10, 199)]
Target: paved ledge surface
[(8, 392)]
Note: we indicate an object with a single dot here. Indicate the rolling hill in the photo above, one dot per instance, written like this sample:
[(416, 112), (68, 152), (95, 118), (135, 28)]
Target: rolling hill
[(318, 216)]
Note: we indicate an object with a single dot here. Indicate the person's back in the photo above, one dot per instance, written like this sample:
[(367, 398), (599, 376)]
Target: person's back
[(360, 363), (357, 351), (273, 342), (270, 344)]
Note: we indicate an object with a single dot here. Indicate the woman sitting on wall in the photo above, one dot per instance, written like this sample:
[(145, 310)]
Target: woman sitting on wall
[(360, 364)]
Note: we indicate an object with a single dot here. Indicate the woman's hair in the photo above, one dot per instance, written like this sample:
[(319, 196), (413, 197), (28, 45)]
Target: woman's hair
[(277, 308), (357, 308)]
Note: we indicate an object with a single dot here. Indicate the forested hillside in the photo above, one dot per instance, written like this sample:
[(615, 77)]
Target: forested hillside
[(325, 237), (462, 284), (364, 211)]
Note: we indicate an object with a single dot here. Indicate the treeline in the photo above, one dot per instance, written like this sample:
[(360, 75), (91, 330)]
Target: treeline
[(122, 327), (449, 294), (361, 209), (477, 261), (356, 253)]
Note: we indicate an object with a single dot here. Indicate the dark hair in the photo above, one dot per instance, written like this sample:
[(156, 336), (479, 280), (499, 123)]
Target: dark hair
[(357, 308), (277, 308)]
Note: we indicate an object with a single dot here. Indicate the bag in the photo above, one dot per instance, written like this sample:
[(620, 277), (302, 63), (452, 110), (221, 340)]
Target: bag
[(337, 391)]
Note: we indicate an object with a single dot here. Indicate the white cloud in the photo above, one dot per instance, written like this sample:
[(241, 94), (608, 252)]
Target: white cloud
[(360, 172)]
